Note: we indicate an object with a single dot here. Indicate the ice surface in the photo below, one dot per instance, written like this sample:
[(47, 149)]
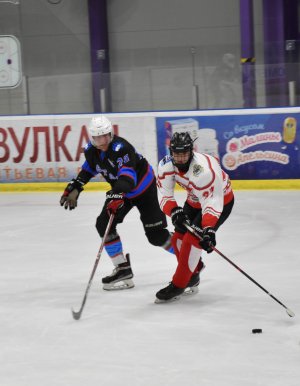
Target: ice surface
[(123, 338)]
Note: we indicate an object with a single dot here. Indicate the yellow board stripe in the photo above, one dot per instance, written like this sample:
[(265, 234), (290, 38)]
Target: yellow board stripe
[(48, 187), (266, 184), (247, 60), (103, 186)]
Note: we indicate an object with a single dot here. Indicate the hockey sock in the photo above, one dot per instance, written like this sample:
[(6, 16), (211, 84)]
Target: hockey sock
[(114, 250), (177, 242), (189, 255)]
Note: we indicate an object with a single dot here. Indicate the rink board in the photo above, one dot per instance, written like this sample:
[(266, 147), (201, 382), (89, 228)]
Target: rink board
[(258, 148)]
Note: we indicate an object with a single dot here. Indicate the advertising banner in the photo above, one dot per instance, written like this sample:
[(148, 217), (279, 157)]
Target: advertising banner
[(50, 148), (249, 147)]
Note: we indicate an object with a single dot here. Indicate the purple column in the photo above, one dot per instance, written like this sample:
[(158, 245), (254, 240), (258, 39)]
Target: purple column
[(247, 53), (274, 53), (99, 55), (291, 22)]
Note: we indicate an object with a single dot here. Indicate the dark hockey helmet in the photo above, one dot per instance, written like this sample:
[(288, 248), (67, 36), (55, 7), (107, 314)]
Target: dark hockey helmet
[(181, 143)]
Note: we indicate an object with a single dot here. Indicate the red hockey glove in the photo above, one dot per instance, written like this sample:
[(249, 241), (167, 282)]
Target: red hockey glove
[(115, 201), (208, 239)]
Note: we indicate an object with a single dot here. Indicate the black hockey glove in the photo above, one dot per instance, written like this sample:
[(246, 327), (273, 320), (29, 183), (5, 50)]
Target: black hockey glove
[(208, 239), (115, 201), (71, 193), (178, 218), (197, 230)]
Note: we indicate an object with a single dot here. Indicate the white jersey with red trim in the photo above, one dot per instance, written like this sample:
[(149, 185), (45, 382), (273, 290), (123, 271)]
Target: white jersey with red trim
[(207, 185)]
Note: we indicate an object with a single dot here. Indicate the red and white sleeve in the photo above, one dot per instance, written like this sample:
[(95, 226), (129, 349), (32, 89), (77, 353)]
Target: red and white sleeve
[(166, 183)]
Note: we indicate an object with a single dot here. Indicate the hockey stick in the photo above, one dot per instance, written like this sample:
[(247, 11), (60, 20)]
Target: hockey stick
[(77, 314), (289, 312)]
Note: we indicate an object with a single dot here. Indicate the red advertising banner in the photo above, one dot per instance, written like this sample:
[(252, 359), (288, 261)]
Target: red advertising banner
[(50, 148)]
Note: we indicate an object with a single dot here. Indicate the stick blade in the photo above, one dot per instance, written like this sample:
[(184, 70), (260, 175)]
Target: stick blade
[(290, 313), (76, 315)]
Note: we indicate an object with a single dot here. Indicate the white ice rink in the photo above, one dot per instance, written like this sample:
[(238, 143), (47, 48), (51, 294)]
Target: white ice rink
[(123, 338)]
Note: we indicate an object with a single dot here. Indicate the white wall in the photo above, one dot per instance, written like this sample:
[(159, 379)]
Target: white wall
[(150, 43), (55, 55), (150, 54)]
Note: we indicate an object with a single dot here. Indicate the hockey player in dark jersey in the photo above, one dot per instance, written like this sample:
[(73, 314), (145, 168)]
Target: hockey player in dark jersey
[(133, 183)]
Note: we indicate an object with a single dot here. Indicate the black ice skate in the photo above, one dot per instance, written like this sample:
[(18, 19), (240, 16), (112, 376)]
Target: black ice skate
[(169, 294), (120, 277), (192, 286)]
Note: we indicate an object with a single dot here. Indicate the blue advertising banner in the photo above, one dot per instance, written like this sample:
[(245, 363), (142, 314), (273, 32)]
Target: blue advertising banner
[(249, 147)]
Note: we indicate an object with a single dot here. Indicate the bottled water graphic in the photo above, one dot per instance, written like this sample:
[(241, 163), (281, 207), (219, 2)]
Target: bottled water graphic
[(207, 142), (189, 125)]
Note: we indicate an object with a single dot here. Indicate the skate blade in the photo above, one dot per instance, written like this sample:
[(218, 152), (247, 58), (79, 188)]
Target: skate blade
[(120, 285), (158, 301), (191, 291)]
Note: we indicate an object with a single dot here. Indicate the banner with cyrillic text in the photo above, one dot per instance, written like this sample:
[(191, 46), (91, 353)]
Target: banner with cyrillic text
[(50, 148), (249, 147)]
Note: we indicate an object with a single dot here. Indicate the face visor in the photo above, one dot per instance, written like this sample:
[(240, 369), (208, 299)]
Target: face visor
[(181, 150)]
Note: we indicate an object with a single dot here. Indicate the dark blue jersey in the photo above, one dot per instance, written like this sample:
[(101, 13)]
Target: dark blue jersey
[(121, 166)]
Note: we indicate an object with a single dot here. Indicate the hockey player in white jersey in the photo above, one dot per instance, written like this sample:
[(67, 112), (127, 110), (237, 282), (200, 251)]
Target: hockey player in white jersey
[(208, 204)]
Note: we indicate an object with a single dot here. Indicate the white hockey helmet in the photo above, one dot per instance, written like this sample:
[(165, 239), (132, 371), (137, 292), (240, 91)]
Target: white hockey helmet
[(100, 126)]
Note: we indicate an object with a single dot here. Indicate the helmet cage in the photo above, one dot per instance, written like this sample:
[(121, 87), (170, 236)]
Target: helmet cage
[(181, 143)]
